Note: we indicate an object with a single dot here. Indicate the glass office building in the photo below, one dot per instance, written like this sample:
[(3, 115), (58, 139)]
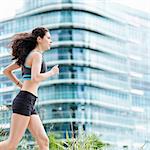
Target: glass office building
[(103, 54)]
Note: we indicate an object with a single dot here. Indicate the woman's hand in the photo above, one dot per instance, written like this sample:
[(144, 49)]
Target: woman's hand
[(19, 84), (55, 70)]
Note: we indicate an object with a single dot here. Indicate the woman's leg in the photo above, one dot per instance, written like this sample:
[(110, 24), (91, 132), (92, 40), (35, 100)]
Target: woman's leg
[(18, 126), (37, 130)]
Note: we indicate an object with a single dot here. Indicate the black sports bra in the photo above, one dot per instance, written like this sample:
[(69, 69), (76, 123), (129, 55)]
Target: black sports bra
[(26, 70)]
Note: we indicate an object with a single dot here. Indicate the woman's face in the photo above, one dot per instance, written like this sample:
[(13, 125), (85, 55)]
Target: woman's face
[(45, 42)]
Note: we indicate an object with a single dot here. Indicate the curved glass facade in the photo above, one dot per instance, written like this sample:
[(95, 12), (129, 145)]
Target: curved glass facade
[(103, 82)]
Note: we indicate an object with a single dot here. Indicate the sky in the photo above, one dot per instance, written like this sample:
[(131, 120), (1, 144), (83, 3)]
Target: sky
[(8, 7), (143, 5)]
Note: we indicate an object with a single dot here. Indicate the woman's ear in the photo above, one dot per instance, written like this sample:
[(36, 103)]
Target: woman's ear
[(38, 39)]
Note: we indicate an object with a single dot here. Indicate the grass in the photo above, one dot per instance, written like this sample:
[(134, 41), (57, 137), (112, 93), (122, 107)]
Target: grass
[(82, 142)]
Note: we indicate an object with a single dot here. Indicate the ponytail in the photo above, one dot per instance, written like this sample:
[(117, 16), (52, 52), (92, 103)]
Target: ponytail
[(22, 44)]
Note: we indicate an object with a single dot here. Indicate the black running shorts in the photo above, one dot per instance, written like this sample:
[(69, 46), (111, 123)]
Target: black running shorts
[(24, 103)]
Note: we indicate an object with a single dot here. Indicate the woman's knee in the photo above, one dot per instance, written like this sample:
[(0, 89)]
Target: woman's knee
[(10, 145), (43, 141)]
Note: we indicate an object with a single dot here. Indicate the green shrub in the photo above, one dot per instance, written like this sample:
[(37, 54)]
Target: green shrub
[(82, 142)]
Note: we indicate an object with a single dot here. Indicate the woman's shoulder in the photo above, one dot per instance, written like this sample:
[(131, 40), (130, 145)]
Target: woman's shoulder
[(35, 55)]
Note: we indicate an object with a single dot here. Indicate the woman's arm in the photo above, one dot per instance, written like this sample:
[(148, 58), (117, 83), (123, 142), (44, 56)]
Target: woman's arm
[(36, 76), (8, 71)]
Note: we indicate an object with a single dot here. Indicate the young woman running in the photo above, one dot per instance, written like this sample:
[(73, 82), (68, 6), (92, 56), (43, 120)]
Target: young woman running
[(27, 50)]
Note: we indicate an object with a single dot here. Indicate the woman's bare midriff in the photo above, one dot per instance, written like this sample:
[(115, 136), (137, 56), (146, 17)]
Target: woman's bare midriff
[(30, 86)]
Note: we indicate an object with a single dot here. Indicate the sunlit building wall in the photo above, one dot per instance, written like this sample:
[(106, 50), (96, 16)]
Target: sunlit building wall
[(103, 86)]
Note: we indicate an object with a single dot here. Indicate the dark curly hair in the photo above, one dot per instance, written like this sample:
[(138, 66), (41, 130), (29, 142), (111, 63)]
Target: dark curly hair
[(23, 43)]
